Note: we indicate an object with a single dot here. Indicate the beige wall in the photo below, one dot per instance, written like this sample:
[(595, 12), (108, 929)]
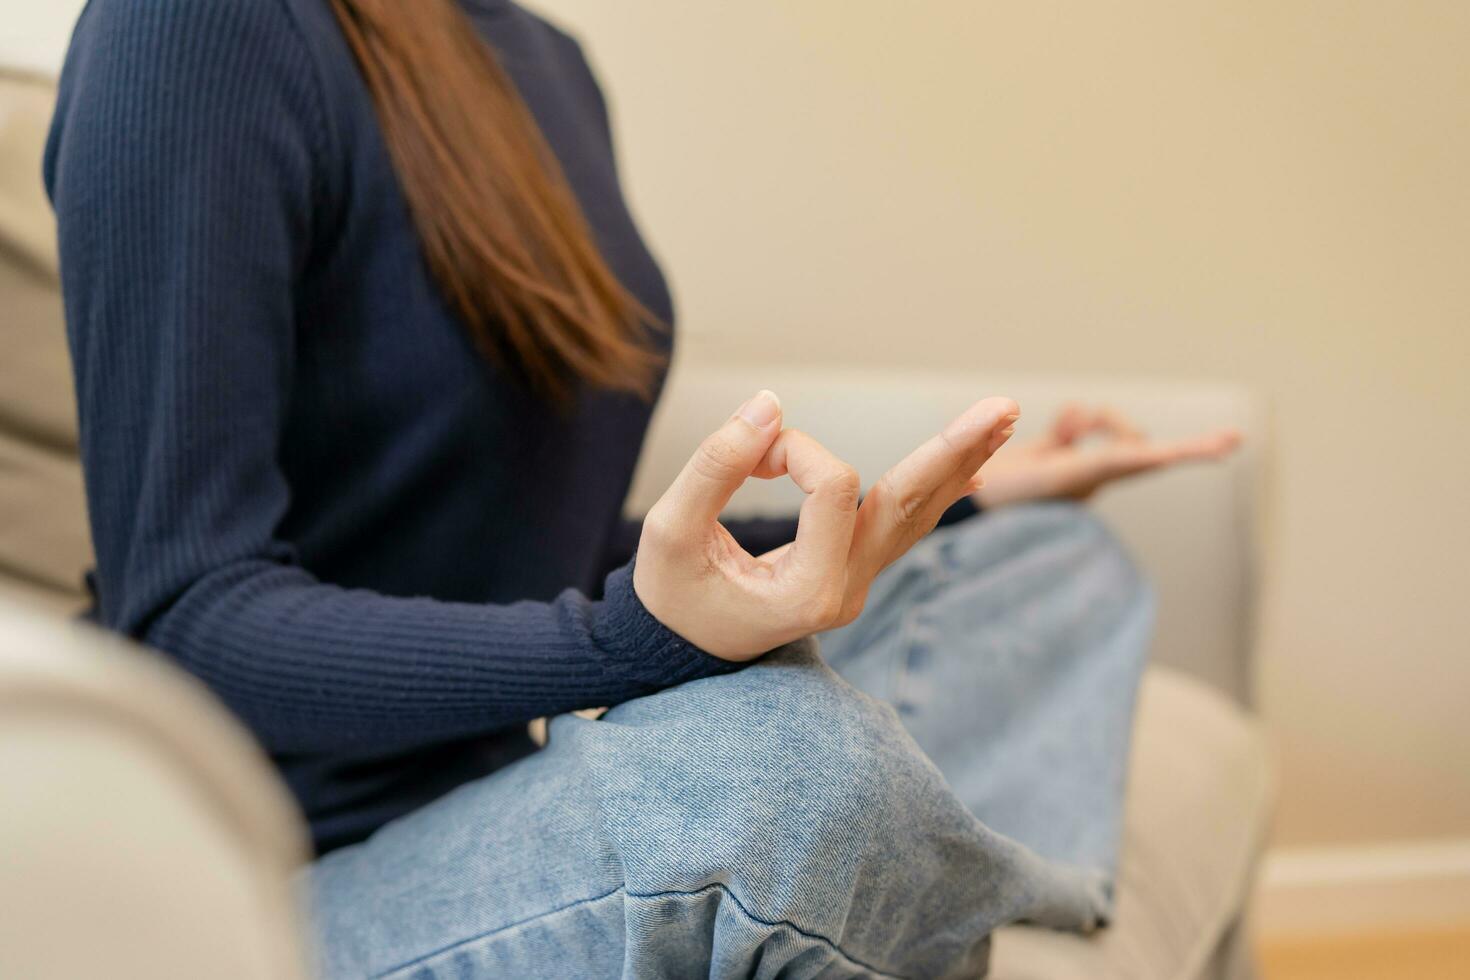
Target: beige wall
[(1273, 193), (33, 33)]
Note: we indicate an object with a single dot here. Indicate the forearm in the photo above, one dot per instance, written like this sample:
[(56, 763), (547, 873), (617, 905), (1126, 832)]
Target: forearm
[(313, 667)]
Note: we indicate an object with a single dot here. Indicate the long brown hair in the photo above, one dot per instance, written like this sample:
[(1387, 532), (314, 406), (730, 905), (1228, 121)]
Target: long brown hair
[(500, 227)]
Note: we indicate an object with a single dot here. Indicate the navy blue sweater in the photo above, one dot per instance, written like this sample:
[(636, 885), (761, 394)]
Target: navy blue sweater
[(304, 485)]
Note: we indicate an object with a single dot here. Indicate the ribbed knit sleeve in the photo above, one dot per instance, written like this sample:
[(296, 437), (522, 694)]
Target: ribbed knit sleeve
[(191, 166)]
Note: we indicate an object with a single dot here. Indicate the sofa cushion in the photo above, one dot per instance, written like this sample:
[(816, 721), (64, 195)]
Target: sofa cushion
[(44, 545), (1199, 797)]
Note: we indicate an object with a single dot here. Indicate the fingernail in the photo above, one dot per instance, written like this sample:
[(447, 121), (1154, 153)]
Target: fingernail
[(762, 409)]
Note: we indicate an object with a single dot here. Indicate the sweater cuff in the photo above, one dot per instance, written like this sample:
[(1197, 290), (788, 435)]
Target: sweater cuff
[(651, 653)]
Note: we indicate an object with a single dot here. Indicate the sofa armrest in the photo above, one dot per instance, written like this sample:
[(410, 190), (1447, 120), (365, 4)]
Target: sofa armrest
[(143, 833), (1192, 529)]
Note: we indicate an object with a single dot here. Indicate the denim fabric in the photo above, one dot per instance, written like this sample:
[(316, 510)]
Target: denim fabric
[(1012, 649), (780, 822)]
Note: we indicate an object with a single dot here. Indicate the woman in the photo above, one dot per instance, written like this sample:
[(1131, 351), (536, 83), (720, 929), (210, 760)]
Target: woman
[(365, 343)]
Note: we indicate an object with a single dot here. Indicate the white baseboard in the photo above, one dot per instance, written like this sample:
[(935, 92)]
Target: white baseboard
[(1366, 888)]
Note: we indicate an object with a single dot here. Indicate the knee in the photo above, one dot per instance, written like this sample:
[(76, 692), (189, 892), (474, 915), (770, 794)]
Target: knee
[(1044, 543), (1102, 564), (815, 747), (1077, 530), (779, 783), (785, 737)]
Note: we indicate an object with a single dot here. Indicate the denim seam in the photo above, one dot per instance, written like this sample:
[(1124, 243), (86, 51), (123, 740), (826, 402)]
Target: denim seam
[(720, 886)]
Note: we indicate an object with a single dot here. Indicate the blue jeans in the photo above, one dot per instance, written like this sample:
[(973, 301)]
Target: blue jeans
[(958, 766)]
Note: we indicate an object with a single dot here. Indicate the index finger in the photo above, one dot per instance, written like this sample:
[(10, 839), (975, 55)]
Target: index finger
[(955, 453), (907, 502), (828, 514)]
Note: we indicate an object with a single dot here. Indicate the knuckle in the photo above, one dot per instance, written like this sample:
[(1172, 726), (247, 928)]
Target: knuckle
[(717, 459), (658, 530), (852, 609), (910, 509), (843, 486), (881, 492), (950, 443), (822, 609), (905, 505)]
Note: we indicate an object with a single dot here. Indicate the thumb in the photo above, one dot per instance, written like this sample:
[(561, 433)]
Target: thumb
[(725, 460)]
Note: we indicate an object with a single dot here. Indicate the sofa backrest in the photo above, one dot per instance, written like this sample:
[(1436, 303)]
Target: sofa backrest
[(44, 543)]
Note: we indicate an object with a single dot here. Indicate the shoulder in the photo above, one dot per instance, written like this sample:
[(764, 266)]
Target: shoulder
[(136, 47), (166, 85), (558, 34), (185, 42), (140, 58), (171, 21), (571, 60), (565, 44)]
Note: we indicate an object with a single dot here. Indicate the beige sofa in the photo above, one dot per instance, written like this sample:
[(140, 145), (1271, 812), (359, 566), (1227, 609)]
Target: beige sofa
[(143, 835)]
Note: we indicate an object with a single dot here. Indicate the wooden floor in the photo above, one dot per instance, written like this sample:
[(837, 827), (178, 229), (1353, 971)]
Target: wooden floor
[(1439, 955)]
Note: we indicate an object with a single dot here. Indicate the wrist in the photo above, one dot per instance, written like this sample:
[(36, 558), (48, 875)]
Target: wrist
[(628, 631)]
